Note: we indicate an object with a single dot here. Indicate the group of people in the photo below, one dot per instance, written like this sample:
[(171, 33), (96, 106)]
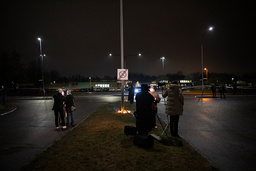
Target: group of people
[(222, 91), (61, 105), (146, 109)]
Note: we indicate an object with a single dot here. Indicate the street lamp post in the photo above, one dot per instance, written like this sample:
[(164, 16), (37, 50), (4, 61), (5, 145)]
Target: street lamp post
[(42, 56), (206, 73), (122, 53), (202, 58), (90, 78)]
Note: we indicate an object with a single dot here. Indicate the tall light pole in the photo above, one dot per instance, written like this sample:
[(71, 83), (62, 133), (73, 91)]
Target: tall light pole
[(202, 58), (163, 58), (90, 78), (42, 56), (122, 53)]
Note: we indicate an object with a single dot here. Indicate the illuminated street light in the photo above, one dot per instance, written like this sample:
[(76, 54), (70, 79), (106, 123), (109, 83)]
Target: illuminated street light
[(42, 56), (133, 55), (202, 57), (163, 58)]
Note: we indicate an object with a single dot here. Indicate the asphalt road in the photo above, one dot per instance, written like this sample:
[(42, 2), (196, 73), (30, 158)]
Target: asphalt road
[(222, 130), (31, 128)]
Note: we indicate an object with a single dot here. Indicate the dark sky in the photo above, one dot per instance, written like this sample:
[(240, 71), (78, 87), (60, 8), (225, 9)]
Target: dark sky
[(78, 35)]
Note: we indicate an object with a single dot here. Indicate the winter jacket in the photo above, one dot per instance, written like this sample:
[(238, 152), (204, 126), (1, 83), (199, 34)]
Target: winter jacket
[(69, 101), (59, 101), (144, 112), (175, 101)]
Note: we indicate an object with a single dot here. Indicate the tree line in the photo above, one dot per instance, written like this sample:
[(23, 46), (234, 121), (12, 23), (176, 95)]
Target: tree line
[(14, 71)]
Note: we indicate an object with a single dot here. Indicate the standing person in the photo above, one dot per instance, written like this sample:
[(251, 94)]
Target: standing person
[(144, 112), (3, 94), (59, 100), (222, 91), (234, 88), (213, 88), (174, 107), (156, 100), (70, 113), (131, 94)]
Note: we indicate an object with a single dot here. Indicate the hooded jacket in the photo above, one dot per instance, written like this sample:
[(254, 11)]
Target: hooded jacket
[(175, 101)]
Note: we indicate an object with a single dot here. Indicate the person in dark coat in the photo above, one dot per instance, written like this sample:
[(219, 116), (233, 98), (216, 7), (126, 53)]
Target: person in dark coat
[(213, 88), (222, 91), (70, 102), (144, 112), (59, 101), (3, 94), (131, 94)]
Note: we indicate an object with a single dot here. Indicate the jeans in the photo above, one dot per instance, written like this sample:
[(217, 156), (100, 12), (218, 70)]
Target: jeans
[(70, 114), (59, 112)]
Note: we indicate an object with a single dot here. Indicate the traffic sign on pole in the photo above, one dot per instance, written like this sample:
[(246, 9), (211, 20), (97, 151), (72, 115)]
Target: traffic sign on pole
[(122, 74)]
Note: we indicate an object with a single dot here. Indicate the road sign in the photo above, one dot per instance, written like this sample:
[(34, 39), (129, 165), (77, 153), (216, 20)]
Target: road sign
[(122, 74)]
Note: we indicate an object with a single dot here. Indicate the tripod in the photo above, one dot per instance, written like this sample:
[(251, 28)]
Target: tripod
[(165, 128)]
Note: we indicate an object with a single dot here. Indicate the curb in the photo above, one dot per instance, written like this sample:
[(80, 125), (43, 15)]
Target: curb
[(2, 114)]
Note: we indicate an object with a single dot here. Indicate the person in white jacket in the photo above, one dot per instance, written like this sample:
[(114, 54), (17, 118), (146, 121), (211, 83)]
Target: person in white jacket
[(174, 107)]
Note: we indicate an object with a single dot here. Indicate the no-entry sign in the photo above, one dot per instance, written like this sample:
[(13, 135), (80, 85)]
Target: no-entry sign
[(122, 74)]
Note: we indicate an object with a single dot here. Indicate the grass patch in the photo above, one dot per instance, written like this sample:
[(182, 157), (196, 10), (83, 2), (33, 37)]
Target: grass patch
[(6, 108), (99, 143)]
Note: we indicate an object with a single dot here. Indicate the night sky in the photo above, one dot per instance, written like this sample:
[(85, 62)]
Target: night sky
[(78, 35)]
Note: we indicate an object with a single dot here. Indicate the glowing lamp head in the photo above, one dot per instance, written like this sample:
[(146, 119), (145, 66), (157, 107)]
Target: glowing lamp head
[(210, 28)]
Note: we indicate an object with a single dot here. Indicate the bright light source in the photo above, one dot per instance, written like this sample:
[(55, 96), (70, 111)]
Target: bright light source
[(110, 54), (39, 38), (163, 58), (210, 28), (139, 54), (124, 111)]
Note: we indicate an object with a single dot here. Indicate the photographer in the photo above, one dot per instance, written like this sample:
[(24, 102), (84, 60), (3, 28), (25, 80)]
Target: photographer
[(144, 112)]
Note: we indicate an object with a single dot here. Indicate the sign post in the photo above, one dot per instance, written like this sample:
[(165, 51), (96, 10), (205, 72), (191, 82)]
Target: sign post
[(122, 53)]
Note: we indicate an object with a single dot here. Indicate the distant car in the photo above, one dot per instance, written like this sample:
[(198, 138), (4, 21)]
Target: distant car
[(83, 89), (63, 89), (112, 89), (105, 89), (97, 89)]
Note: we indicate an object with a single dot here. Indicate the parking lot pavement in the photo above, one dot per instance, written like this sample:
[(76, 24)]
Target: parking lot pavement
[(222, 130)]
